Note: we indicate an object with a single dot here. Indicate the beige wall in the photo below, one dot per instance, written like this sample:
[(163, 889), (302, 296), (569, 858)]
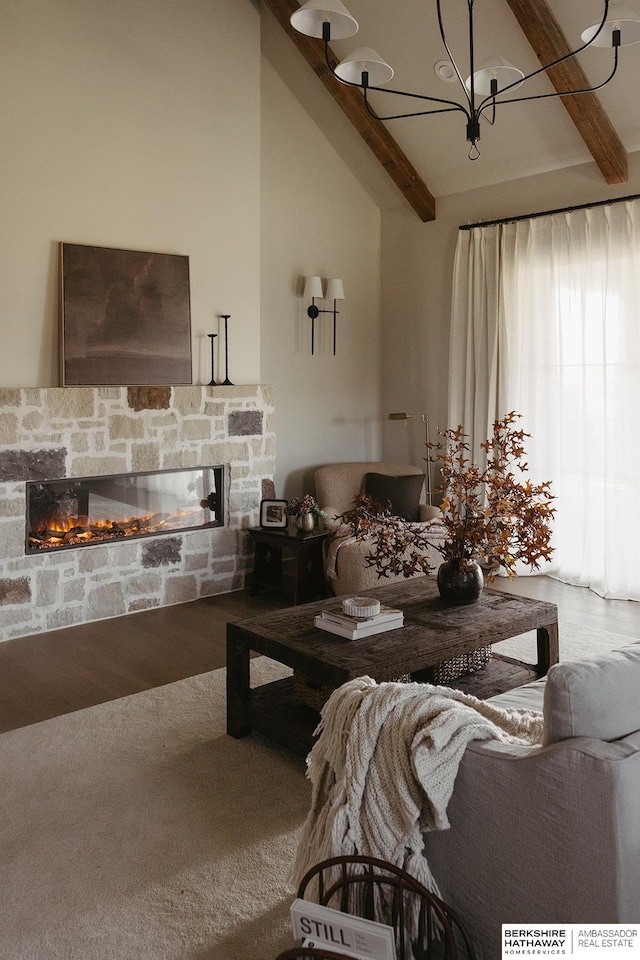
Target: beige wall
[(417, 270), (123, 125), (128, 125), (316, 220)]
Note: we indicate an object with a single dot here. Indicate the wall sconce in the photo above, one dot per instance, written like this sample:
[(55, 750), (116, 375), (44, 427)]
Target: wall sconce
[(427, 440), (313, 291)]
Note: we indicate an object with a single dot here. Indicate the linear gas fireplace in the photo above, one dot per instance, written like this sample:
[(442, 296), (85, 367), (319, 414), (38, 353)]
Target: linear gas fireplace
[(82, 511)]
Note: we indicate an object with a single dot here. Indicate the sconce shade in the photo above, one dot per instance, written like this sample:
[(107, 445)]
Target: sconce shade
[(312, 287), (621, 16), (495, 68), (335, 290), (309, 18), (364, 58), (398, 416)]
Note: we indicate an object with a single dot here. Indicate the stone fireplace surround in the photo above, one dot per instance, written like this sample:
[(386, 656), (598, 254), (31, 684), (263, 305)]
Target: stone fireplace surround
[(51, 433)]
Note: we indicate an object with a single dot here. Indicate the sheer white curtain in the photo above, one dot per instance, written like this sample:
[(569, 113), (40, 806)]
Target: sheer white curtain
[(545, 321)]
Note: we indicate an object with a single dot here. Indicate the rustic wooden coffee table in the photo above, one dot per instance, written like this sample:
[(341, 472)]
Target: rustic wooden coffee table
[(433, 632)]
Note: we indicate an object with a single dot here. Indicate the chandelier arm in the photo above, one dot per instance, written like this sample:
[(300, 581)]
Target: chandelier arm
[(417, 113), (563, 93), (451, 104), (555, 63), (481, 112), (451, 107), (450, 54)]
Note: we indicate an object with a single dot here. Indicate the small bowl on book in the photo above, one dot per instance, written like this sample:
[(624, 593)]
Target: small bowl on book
[(364, 607)]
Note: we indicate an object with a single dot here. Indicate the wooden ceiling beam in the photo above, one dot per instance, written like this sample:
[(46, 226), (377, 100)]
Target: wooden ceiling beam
[(545, 35), (351, 101)]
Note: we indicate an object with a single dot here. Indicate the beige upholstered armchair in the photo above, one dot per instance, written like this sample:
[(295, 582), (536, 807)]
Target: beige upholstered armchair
[(338, 484), (550, 834)]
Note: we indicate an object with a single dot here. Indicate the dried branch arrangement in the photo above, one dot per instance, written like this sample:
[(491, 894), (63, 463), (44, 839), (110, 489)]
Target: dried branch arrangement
[(491, 514)]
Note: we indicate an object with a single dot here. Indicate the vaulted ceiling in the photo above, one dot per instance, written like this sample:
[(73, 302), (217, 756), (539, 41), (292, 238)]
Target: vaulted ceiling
[(428, 156)]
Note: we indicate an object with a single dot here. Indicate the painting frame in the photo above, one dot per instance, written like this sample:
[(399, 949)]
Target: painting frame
[(125, 317), (273, 514)]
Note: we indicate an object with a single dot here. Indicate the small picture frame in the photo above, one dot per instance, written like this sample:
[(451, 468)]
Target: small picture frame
[(273, 514)]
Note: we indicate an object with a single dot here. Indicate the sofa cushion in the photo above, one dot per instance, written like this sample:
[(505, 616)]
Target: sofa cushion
[(595, 697), (529, 696), (402, 493)]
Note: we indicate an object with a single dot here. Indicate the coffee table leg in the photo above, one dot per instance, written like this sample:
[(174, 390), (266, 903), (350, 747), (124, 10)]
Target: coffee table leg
[(548, 650), (238, 689)]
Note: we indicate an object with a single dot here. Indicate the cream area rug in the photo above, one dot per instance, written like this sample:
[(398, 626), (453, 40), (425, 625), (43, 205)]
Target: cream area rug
[(138, 830)]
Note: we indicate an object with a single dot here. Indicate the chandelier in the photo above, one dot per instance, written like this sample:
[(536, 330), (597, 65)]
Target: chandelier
[(484, 88)]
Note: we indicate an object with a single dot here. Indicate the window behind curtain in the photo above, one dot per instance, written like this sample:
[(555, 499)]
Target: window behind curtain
[(565, 348)]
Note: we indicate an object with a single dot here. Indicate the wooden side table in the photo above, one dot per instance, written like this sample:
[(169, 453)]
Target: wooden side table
[(272, 547)]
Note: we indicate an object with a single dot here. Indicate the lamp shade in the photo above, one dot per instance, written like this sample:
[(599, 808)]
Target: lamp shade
[(335, 289), (312, 287), (495, 68), (310, 17), (622, 17), (364, 58)]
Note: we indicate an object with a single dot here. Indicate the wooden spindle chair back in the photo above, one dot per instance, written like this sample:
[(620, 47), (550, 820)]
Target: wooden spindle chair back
[(425, 927)]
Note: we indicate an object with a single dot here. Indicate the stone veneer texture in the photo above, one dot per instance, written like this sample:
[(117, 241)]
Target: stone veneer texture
[(50, 433)]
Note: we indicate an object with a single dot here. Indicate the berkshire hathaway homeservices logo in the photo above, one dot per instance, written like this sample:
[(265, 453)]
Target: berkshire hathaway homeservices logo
[(580, 941)]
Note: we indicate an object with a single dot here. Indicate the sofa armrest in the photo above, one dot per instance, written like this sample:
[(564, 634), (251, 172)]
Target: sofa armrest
[(330, 521), (525, 827), (427, 511)]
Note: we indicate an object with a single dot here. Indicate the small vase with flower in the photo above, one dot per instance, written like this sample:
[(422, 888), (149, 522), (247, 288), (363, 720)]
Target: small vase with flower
[(305, 510)]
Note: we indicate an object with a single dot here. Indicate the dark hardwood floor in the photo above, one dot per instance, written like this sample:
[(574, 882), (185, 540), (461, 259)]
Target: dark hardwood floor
[(53, 673), (45, 675)]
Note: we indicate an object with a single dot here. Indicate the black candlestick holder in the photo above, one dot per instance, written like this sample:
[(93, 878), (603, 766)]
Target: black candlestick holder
[(212, 382), (226, 382)]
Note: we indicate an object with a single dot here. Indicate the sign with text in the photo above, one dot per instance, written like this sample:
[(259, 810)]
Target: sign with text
[(346, 934), (582, 941)]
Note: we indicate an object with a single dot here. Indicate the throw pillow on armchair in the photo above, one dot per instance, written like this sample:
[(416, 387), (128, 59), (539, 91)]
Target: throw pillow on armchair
[(401, 495)]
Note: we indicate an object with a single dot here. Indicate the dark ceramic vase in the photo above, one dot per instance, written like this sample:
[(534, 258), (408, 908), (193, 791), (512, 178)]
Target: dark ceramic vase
[(460, 581)]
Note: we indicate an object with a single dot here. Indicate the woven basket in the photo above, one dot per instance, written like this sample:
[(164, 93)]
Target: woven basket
[(316, 694), (308, 691), (449, 670)]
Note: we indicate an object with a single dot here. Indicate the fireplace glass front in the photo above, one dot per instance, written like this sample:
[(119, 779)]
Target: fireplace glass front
[(82, 511)]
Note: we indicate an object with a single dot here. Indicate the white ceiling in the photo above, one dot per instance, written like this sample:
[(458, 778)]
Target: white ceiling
[(526, 139)]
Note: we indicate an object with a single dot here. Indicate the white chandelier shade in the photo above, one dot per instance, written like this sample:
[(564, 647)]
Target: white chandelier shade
[(498, 69), (622, 17), (310, 18), (364, 59)]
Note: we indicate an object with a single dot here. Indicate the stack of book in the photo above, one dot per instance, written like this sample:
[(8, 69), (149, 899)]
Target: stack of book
[(355, 627)]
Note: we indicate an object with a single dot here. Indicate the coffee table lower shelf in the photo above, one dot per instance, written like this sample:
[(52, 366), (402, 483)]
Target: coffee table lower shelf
[(276, 713)]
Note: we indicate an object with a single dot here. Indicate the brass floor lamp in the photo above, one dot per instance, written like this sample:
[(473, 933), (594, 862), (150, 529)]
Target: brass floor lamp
[(427, 440)]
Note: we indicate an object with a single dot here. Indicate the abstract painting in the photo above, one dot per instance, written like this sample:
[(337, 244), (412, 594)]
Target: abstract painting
[(125, 317)]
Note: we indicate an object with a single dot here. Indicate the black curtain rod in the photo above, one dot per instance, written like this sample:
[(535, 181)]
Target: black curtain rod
[(548, 213)]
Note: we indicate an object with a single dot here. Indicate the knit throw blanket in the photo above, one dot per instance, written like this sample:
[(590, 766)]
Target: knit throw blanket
[(384, 765)]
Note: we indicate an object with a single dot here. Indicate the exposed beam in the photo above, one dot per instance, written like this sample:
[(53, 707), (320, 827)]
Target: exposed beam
[(545, 35), (351, 101)]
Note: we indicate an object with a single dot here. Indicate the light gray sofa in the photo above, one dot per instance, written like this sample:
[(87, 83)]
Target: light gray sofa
[(550, 834), (337, 485)]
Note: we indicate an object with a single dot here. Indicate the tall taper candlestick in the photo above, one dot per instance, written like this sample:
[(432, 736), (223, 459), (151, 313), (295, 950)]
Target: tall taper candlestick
[(226, 382), (212, 382)]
